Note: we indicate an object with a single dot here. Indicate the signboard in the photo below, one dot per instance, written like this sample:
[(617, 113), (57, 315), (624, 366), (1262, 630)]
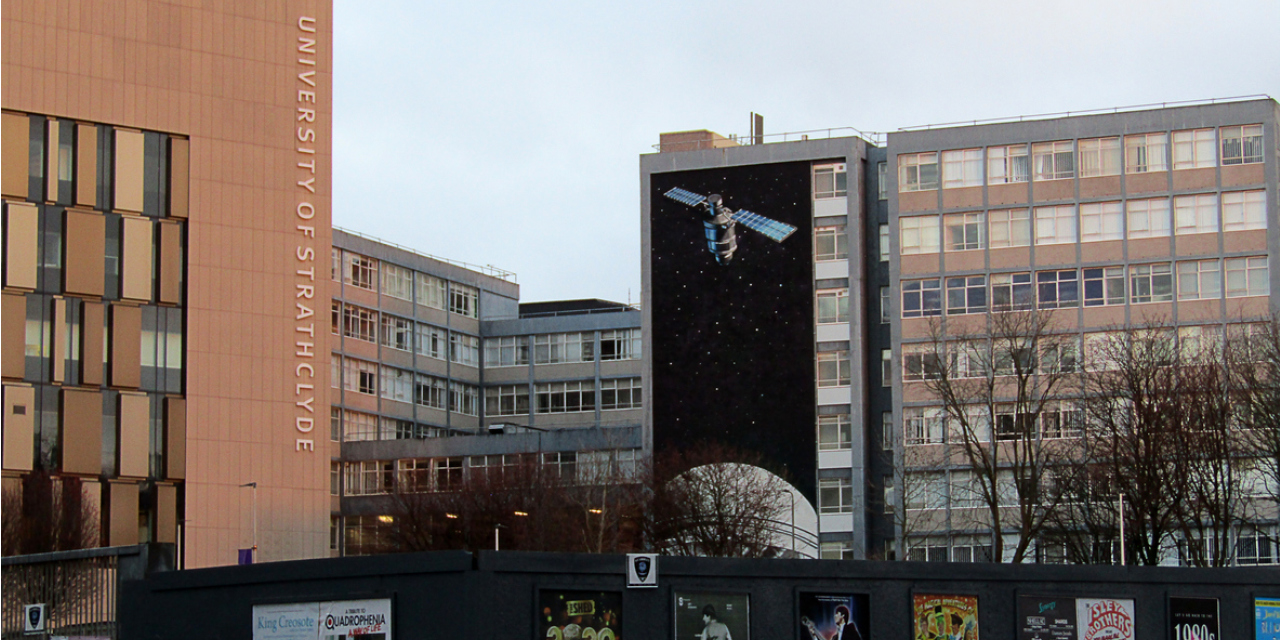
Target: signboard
[(1105, 618), (642, 570), (334, 620), (588, 615), (1266, 618), (944, 617), (712, 616), (1193, 619), (832, 616), (33, 618), (1046, 618)]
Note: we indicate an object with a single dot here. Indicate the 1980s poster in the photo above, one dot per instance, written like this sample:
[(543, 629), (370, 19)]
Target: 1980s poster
[(712, 616), (831, 616), (1105, 618), (1193, 618), (580, 615), (945, 617)]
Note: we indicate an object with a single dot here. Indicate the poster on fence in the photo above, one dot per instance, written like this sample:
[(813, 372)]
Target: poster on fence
[(712, 616), (334, 620), (570, 615), (1193, 618), (1105, 618), (945, 617), (1046, 618), (833, 616), (1266, 618)]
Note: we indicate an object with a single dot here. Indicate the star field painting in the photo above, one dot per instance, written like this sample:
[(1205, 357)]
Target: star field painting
[(733, 344)]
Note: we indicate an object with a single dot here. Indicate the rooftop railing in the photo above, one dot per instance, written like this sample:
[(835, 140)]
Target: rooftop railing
[(1065, 114), (487, 269)]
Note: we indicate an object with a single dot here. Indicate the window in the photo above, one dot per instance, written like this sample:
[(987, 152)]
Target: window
[(361, 271), (919, 235), (835, 433), (397, 333), (562, 465), (921, 298), (1150, 283), (833, 306), (830, 181), (1011, 291), (554, 348), (430, 290), (464, 398), (463, 300), (835, 495), (1242, 145), (966, 490), (1099, 157), (369, 477), (965, 231), (358, 323), (464, 349), (884, 243), (507, 351), (335, 317), (921, 363), (886, 309), (966, 294), (1196, 214), (359, 426), (448, 473), (1103, 286), (335, 371), (1148, 218), (834, 369), (1199, 279), (969, 359), (1010, 228), (1057, 289), (961, 168), (506, 400), (830, 243), (1014, 425), (1101, 221), (359, 376), (335, 424), (429, 391), (397, 384), (923, 425), (1193, 149), (917, 172), (620, 344), (886, 367), (1247, 276), (886, 430), (1007, 164), (1013, 357), (882, 179), (335, 264), (1197, 343), (621, 393), (1053, 160), (1060, 355), (1243, 210), (397, 281), (1056, 225), (1145, 153), (565, 397), (429, 341)]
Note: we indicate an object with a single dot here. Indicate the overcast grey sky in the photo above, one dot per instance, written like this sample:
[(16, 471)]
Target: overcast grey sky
[(509, 133)]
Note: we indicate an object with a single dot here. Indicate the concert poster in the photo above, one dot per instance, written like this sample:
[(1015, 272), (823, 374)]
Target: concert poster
[(579, 615), (945, 617)]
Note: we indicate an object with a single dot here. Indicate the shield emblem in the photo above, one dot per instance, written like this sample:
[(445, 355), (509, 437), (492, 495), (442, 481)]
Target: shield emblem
[(34, 614), (642, 568)]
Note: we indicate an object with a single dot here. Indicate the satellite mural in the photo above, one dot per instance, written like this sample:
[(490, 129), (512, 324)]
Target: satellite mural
[(732, 313)]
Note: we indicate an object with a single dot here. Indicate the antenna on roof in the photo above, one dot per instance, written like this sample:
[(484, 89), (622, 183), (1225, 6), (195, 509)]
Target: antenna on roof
[(757, 128)]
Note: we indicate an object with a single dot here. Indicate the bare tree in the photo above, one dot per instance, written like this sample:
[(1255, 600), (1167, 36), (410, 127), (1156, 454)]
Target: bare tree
[(1257, 353), (48, 514), (714, 500), (999, 386)]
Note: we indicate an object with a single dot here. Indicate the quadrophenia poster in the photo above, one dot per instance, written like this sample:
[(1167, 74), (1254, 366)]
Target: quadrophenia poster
[(945, 617), (579, 615)]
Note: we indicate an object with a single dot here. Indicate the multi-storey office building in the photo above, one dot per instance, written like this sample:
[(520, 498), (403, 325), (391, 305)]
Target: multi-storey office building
[(1120, 219), (166, 202), (437, 370)]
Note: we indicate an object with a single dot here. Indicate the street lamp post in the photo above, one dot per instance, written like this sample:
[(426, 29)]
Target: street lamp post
[(254, 548)]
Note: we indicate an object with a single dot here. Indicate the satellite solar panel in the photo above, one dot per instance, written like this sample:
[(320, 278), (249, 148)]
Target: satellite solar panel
[(774, 230), (688, 197)]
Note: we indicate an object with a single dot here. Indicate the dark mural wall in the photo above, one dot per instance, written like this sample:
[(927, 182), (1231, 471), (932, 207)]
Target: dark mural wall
[(733, 344)]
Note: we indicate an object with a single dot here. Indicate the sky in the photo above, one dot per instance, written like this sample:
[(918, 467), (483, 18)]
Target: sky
[(509, 133)]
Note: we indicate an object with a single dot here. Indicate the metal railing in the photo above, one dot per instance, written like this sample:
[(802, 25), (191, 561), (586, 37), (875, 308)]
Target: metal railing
[(1085, 112), (487, 269), (875, 137), (80, 589)]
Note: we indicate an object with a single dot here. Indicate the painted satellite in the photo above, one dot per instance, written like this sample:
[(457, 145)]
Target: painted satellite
[(720, 223)]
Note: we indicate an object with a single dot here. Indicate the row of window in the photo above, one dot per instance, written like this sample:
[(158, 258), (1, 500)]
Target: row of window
[(401, 385), (352, 426), (1086, 158), (1091, 286), (374, 477), (1090, 222), (404, 334), (553, 348), (562, 397), (404, 283), (931, 425)]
